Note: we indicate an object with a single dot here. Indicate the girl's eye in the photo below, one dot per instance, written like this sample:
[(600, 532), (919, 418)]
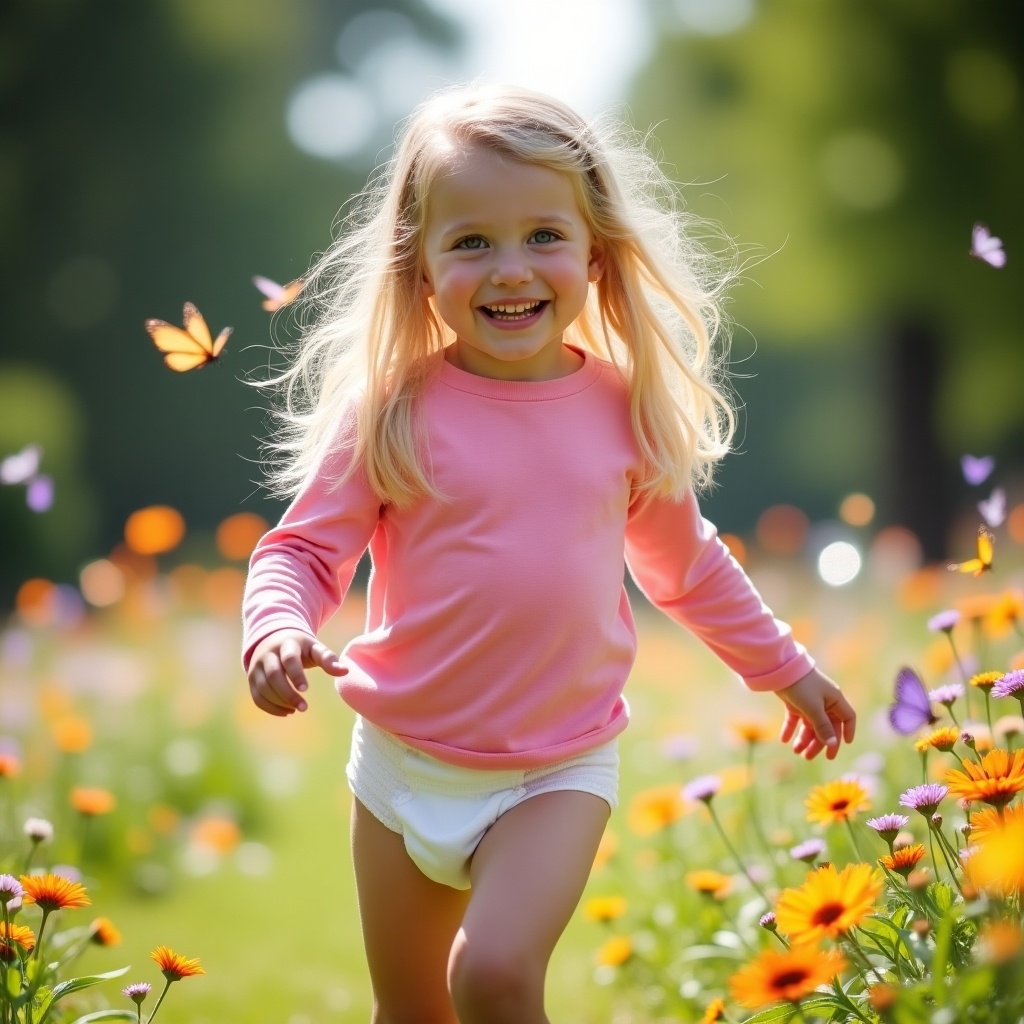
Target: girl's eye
[(471, 242), (544, 236)]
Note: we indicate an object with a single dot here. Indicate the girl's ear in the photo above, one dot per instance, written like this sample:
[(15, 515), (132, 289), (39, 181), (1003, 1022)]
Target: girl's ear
[(595, 268), (426, 285)]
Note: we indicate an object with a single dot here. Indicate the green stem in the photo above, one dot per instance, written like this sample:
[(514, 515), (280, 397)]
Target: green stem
[(853, 840), (735, 856), (6, 1005), (39, 936), (755, 815), (988, 716), (167, 985)]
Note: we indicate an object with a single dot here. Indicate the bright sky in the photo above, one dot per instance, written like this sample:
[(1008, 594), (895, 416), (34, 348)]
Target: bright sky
[(583, 52)]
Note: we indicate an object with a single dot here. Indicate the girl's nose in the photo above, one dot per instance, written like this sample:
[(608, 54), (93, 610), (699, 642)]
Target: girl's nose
[(510, 268)]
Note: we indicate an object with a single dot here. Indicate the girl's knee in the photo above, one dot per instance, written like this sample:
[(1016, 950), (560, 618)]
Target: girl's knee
[(488, 977)]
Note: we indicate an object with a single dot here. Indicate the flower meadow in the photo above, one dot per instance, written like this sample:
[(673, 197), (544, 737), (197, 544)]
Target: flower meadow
[(144, 801), (883, 886)]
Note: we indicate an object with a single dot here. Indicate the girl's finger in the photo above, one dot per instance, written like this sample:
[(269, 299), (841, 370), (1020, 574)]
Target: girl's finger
[(279, 689)]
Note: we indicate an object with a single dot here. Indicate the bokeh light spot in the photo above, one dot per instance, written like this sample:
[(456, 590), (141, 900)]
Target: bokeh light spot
[(102, 583), (862, 170), (857, 510), (36, 602), (736, 547), (237, 535), (154, 530), (713, 17), (331, 116), (839, 563), (1015, 524), (982, 86), (782, 529)]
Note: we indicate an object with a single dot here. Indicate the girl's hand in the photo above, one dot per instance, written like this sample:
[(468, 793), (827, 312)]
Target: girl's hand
[(276, 677), (824, 716)]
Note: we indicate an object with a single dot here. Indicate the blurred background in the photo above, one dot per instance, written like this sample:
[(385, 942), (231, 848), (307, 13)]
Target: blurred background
[(168, 150)]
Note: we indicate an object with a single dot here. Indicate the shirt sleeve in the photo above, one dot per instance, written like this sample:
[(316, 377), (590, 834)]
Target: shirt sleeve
[(681, 565), (301, 570)]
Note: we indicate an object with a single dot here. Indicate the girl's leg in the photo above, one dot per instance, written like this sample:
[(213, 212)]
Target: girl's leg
[(528, 875), (408, 924)]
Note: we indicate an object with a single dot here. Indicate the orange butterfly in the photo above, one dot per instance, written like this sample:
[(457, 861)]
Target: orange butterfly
[(190, 348), (277, 295), (983, 561)]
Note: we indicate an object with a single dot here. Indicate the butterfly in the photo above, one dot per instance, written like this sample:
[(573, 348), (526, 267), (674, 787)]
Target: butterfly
[(993, 508), (986, 247), (977, 468), (23, 468), (983, 561), (277, 295), (190, 348), (911, 708)]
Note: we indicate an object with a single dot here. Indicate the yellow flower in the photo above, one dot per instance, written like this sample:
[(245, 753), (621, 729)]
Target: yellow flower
[(173, 965), (606, 849), (829, 903), (615, 952), (52, 892), (72, 734), (998, 864), (604, 908), (996, 781), (710, 883), (751, 730), (655, 809), (715, 1012), (987, 820), (784, 976), (903, 860), (943, 739), (985, 680), (836, 801)]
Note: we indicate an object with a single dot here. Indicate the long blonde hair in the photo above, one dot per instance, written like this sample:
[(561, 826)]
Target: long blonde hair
[(656, 314)]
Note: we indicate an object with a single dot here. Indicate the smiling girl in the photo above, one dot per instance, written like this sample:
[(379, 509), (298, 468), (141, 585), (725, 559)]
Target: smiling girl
[(511, 391)]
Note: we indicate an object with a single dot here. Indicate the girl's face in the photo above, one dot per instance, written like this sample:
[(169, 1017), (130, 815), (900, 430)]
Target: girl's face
[(508, 257)]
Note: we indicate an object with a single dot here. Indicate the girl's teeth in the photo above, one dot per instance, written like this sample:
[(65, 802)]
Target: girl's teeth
[(508, 310)]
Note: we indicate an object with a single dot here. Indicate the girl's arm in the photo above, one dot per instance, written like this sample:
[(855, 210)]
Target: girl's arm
[(681, 565), (301, 570)]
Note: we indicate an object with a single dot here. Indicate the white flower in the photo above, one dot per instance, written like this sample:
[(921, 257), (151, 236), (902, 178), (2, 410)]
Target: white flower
[(39, 830)]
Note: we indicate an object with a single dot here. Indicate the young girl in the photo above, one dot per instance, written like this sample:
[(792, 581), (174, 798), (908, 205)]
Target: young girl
[(510, 389)]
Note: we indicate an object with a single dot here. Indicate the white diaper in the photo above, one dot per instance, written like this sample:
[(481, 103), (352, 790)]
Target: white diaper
[(442, 810)]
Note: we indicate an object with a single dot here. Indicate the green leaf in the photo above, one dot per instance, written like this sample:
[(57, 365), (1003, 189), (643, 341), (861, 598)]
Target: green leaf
[(106, 1015), (76, 985), (786, 1011), (942, 895)]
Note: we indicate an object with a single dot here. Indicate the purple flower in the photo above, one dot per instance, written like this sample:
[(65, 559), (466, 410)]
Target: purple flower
[(925, 799), (888, 825), (808, 850), (704, 787), (1010, 685), (10, 889), (768, 921), (947, 694), (944, 621), (137, 991)]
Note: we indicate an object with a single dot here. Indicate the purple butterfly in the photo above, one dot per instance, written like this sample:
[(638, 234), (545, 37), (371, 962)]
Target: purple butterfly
[(911, 709), (976, 468), (993, 508), (986, 247)]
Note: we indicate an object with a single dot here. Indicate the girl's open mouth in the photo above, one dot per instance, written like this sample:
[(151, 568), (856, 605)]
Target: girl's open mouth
[(514, 312)]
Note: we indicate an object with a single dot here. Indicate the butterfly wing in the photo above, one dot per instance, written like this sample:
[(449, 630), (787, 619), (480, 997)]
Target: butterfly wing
[(20, 467), (982, 562), (222, 340), (277, 295), (977, 468), (986, 247), (180, 349), (911, 708), (993, 508), (196, 326)]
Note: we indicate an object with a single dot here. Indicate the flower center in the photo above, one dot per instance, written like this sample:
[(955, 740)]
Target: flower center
[(827, 913), (840, 805), (785, 979)]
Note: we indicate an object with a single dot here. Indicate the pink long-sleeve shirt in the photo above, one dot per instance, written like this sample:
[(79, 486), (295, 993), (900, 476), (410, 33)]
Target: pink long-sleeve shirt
[(499, 633)]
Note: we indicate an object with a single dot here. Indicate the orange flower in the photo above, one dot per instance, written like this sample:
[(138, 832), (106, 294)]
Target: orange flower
[(606, 849), (9, 766), (1004, 614), (615, 952), (604, 908), (221, 835), (996, 781), (51, 892), (104, 933), (15, 933), (751, 730), (655, 809), (999, 941), (943, 739), (829, 903), (92, 800), (903, 860), (987, 820), (72, 734), (998, 865), (173, 965), (784, 976), (710, 883), (714, 1012), (836, 801)]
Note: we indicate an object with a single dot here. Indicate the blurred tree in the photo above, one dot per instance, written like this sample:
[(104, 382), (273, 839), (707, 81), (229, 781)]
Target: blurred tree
[(144, 161), (857, 144)]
